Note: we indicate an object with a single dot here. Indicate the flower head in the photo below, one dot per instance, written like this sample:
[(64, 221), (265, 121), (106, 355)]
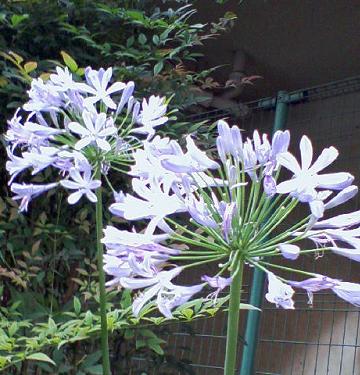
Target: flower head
[(75, 125), (238, 208)]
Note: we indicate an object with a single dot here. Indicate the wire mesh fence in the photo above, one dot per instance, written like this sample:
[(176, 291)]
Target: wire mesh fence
[(322, 338)]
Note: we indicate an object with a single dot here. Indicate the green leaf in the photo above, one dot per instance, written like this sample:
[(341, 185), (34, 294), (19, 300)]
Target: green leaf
[(77, 305), (153, 344), (16, 19), (69, 61), (88, 318), (247, 306), (17, 58), (40, 357), (30, 66), (80, 72), (156, 39), (188, 313), (142, 39), (94, 370), (148, 333), (128, 334), (13, 329), (158, 67), (130, 41), (135, 15), (90, 360)]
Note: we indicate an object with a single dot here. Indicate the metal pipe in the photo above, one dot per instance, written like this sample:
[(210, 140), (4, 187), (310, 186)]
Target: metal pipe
[(258, 281)]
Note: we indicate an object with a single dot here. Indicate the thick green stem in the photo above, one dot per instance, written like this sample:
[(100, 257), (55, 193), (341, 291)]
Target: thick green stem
[(99, 247), (233, 320)]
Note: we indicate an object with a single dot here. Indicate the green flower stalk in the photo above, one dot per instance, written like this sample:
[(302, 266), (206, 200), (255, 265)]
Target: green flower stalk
[(102, 290)]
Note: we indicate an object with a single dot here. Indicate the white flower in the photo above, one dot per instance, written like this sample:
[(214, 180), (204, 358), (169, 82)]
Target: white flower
[(41, 158), (27, 192), (15, 165), (43, 97), (97, 86), (96, 129), (279, 292), (306, 178), (194, 160), (83, 184), (63, 80), (167, 294), (117, 241), (152, 114), (289, 251), (350, 292), (155, 204)]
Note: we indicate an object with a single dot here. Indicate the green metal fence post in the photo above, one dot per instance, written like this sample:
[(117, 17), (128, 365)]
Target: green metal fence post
[(257, 286)]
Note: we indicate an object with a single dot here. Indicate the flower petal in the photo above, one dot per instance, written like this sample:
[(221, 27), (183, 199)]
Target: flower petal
[(327, 157), (69, 184), (91, 196), (335, 181), (74, 197), (287, 186), (78, 129), (350, 292), (289, 251), (306, 150), (102, 144), (353, 254), (115, 87), (82, 143), (288, 161), (342, 197), (140, 301)]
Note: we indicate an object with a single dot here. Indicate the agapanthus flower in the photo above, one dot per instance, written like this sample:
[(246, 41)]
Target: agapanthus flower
[(152, 114), (237, 205), (72, 126), (289, 251), (44, 97), (120, 240), (95, 130), (279, 293), (307, 179), (160, 285), (82, 183), (194, 160), (169, 298), (27, 192), (97, 87), (350, 292), (315, 284), (63, 80), (147, 206), (217, 282)]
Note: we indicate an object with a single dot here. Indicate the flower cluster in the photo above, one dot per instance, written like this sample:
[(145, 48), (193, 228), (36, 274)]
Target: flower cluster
[(80, 128), (237, 207)]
